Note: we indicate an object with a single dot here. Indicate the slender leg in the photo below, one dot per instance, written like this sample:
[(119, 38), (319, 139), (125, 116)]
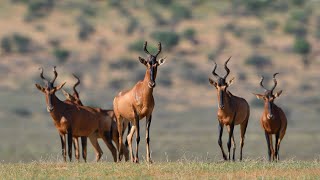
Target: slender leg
[(233, 144), (230, 138), (243, 128), (271, 147), (268, 144), (70, 144), (84, 148), (137, 138), (148, 123), (120, 127), (282, 133), (108, 140), (129, 138), (76, 145), (94, 141), (63, 145), (220, 140), (276, 146)]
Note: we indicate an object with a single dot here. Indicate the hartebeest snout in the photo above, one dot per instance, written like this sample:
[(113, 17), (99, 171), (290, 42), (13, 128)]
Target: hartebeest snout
[(273, 119), (232, 110), (138, 103)]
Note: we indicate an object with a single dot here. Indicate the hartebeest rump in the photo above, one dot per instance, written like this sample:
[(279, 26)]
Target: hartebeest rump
[(232, 110), (138, 103), (73, 120), (110, 119), (273, 119)]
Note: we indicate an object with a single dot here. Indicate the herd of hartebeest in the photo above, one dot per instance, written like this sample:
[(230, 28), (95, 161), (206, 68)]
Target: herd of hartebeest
[(75, 120)]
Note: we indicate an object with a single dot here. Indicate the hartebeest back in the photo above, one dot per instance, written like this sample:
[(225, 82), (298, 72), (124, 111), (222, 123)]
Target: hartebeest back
[(138, 103), (273, 119), (73, 120), (109, 119), (232, 110)]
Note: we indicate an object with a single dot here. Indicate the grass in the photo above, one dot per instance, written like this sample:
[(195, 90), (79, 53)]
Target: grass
[(250, 169)]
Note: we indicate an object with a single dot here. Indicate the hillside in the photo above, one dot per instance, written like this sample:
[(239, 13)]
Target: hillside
[(101, 40)]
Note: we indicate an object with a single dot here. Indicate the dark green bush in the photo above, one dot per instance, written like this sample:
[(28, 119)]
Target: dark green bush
[(301, 46), (61, 54), (189, 33), (125, 63), (163, 2), (22, 112), (138, 46), (256, 40), (256, 6), (6, 45), (85, 29), (168, 39), (132, 26), (295, 28), (259, 61), (16, 43), (180, 12), (38, 9), (271, 24)]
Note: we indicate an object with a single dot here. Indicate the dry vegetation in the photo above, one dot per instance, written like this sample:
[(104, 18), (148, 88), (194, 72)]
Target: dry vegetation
[(101, 40), (168, 170)]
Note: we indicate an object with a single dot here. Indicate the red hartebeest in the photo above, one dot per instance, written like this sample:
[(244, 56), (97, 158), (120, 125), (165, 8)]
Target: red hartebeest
[(138, 103), (73, 120), (232, 110), (273, 119), (75, 98)]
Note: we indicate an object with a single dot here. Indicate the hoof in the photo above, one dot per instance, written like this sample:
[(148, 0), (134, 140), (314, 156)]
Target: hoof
[(136, 160)]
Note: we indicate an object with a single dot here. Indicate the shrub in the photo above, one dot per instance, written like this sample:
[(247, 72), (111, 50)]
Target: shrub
[(138, 46), (163, 2), (61, 54), (16, 43), (168, 38), (255, 6), (271, 24), (256, 40), (301, 46), (6, 45), (89, 10), (85, 29), (22, 112), (189, 33), (38, 9), (133, 24), (258, 103), (259, 61), (296, 28), (124, 63), (180, 12)]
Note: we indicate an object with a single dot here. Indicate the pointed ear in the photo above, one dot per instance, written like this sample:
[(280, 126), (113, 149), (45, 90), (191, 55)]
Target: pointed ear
[(66, 94), (40, 88), (259, 96), (161, 61), (143, 61), (278, 93), (212, 82), (60, 86), (230, 81)]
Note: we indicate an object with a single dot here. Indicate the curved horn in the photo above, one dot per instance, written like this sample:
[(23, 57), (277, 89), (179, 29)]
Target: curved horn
[(275, 82), (55, 74), (41, 75), (262, 78), (75, 85), (214, 70), (145, 48), (159, 49), (226, 68)]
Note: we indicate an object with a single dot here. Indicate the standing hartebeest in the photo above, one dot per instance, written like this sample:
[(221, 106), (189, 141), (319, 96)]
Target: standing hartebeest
[(73, 120), (273, 119), (138, 103), (75, 98), (232, 110)]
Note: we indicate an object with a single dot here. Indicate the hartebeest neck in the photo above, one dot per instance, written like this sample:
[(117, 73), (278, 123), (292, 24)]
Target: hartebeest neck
[(58, 108)]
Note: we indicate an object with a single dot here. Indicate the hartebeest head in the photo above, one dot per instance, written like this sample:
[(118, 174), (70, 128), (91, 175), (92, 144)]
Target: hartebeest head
[(152, 64), (49, 89), (75, 97), (222, 84), (268, 97)]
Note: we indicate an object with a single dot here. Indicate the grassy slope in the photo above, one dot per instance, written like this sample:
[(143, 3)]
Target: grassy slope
[(170, 170)]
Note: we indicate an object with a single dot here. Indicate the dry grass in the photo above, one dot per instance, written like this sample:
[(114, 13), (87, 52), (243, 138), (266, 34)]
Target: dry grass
[(251, 169)]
